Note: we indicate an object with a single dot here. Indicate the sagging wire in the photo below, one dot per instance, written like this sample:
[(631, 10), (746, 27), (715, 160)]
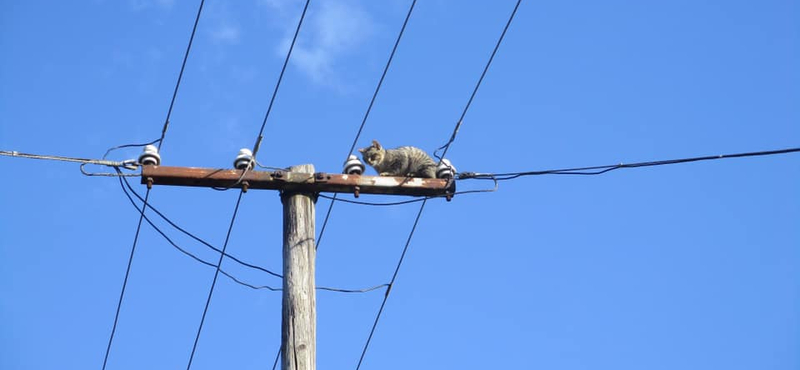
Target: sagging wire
[(366, 115), (126, 188), (599, 170), (496, 185), (196, 238), (425, 201), (446, 146)]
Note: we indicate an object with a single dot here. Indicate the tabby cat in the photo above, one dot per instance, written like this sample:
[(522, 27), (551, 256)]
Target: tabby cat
[(405, 161)]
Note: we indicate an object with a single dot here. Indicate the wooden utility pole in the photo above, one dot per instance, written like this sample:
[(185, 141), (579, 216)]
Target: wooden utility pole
[(299, 188), (299, 323)]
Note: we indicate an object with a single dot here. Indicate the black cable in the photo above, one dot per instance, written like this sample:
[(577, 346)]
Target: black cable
[(376, 204), (425, 200), (196, 238), (214, 282), (599, 170), (256, 147), (158, 230), (278, 84), (277, 357), (129, 146), (125, 281), (201, 240), (391, 283), (236, 280), (446, 146), (383, 75), (147, 194), (180, 75), (366, 115)]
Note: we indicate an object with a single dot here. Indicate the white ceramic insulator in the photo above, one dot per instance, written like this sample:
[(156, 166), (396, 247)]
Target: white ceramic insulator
[(150, 156), (445, 170), (353, 166), (244, 160)]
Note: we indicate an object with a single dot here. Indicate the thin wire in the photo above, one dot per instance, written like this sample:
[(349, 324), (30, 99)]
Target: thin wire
[(412, 200), (425, 201), (101, 162), (277, 357), (196, 238), (214, 282), (446, 147), (257, 144), (147, 194), (129, 146), (391, 283), (125, 281), (599, 170), (180, 75), (278, 84), (236, 280), (383, 75), (366, 115)]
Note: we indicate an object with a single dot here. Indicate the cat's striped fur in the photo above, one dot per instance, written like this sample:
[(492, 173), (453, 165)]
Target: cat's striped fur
[(405, 161)]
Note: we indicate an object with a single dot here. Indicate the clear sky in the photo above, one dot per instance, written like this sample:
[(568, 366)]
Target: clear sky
[(692, 266)]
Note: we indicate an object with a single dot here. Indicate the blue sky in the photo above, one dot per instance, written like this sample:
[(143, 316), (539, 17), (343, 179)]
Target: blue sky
[(690, 266)]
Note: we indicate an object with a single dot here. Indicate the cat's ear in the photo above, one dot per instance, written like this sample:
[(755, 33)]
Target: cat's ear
[(362, 150), (376, 144)]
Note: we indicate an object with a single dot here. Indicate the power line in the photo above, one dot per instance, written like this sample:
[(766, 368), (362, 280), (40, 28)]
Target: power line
[(147, 194), (125, 281), (256, 147), (391, 283), (399, 203), (599, 170), (446, 146), (214, 282), (198, 239), (180, 75), (101, 162), (366, 115), (278, 84), (425, 201), (198, 259)]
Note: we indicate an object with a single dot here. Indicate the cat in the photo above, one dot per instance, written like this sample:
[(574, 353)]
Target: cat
[(405, 161)]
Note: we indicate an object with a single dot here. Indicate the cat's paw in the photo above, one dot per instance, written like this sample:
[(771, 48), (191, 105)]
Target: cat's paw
[(385, 174)]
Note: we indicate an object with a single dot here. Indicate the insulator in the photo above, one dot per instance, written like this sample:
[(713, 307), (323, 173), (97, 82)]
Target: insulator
[(353, 166), (244, 160), (149, 156), (445, 170)]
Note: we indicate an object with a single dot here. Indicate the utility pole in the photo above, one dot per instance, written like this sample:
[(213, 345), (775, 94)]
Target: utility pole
[(299, 323), (299, 188)]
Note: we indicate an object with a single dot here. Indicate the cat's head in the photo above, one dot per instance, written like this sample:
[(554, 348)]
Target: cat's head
[(373, 154)]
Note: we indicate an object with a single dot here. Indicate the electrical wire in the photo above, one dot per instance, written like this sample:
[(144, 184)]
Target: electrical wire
[(425, 200), (599, 170), (180, 75), (409, 201), (391, 283), (113, 148), (101, 162), (147, 194), (214, 282), (196, 238), (366, 115), (256, 147), (125, 281), (446, 146), (278, 84), (127, 192)]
